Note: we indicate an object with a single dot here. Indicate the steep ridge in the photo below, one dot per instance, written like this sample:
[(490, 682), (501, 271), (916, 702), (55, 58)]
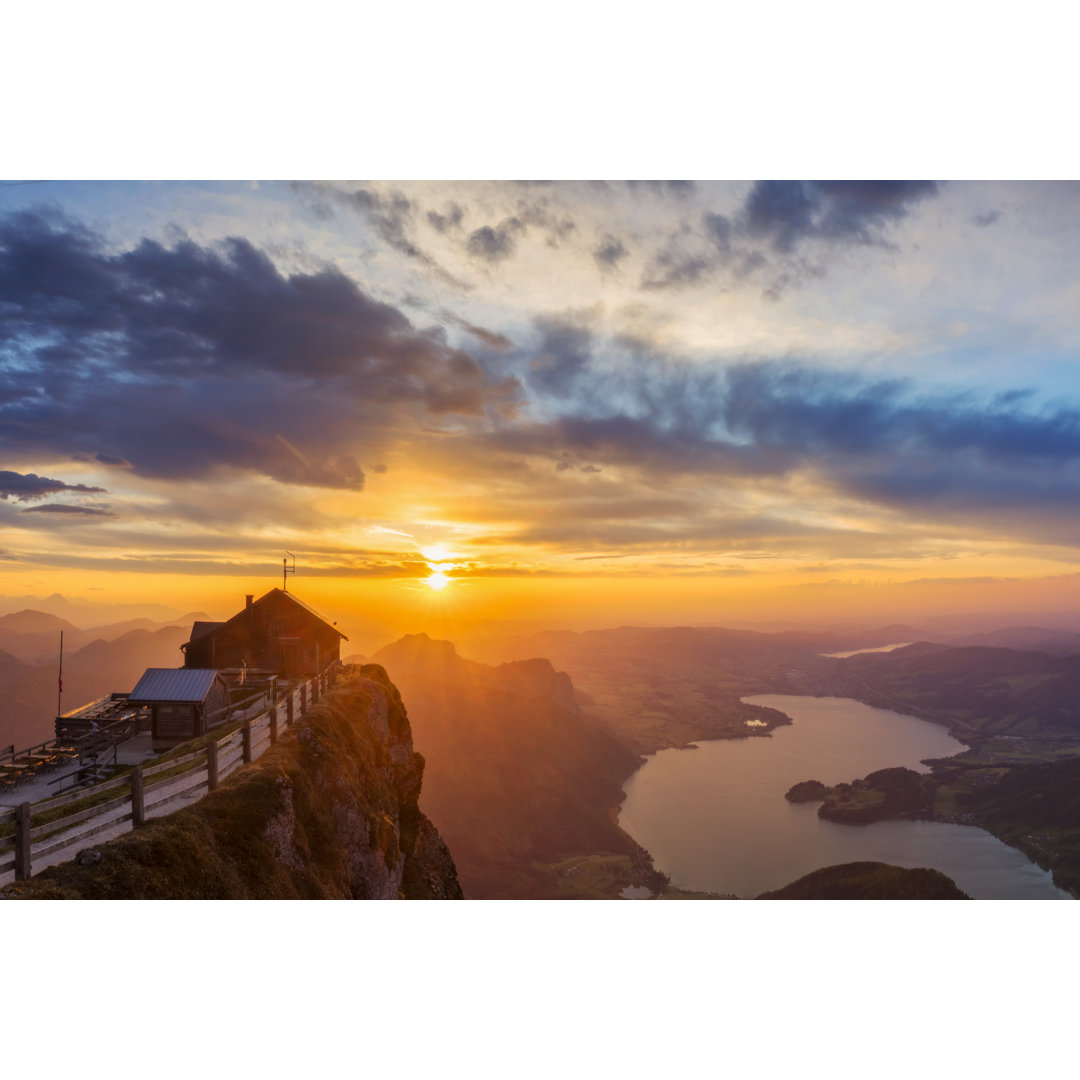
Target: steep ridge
[(330, 812), (521, 784)]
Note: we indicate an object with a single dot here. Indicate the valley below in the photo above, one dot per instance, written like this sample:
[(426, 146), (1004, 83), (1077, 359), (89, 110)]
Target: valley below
[(537, 751)]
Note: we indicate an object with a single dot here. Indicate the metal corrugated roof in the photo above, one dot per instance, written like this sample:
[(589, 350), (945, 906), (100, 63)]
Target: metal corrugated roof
[(173, 684)]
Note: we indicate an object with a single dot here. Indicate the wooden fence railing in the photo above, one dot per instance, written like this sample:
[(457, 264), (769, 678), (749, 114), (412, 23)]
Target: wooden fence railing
[(32, 835)]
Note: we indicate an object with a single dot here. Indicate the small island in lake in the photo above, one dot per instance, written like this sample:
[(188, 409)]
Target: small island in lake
[(885, 794), (807, 791)]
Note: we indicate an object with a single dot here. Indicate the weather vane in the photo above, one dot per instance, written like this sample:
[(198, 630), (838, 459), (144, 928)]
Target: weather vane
[(286, 570)]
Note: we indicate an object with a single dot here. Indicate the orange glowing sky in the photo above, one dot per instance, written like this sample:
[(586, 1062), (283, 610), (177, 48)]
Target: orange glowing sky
[(560, 404)]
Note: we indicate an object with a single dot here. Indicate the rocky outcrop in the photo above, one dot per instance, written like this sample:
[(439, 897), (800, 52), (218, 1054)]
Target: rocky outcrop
[(330, 812)]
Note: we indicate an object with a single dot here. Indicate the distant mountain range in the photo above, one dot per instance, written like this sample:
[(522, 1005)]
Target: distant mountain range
[(96, 662), (1028, 638), (980, 693), (85, 613), (34, 636)]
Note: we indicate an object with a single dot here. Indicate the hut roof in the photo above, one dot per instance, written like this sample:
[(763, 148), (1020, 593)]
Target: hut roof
[(202, 629), (173, 684)]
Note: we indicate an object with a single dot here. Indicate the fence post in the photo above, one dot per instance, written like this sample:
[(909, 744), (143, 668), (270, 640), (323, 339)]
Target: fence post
[(245, 740), (138, 802), (303, 698), (273, 726), (211, 766), (288, 710), (22, 841), (314, 689)]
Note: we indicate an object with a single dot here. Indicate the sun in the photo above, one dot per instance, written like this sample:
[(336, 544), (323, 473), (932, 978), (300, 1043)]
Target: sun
[(437, 581)]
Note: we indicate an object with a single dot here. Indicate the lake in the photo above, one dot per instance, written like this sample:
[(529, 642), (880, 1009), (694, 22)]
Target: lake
[(859, 652), (716, 818)]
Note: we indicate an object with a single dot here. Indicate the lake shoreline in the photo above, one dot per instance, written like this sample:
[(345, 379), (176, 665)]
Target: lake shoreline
[(746, 803)]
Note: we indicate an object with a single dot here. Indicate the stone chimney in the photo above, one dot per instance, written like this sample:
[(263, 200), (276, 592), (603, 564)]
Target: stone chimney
[(249, 598)]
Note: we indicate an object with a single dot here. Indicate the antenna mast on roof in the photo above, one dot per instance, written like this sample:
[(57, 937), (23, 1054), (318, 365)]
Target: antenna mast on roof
[(286, 570)]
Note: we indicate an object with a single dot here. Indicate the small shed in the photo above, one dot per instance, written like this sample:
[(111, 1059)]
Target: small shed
[(184, 702)]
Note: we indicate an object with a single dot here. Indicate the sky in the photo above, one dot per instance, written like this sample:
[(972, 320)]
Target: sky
[(576, 403)]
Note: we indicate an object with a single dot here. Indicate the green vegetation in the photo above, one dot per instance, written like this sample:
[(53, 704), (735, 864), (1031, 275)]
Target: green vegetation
[(589, 877), (869, 881), (329, 812), (885, 794), (1036, 808), (807, 791)]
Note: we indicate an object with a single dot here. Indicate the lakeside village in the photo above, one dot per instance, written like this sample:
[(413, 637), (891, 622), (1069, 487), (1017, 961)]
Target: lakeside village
[(232, 670)]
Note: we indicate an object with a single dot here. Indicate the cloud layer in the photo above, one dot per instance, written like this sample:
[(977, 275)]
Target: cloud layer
[(192, 378), (180, 360)]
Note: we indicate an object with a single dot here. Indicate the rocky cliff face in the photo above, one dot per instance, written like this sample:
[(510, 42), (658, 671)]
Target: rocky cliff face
[(524, 788), (330, 812)]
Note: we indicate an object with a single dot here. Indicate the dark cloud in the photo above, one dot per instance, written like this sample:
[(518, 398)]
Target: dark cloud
[(564, 354), (493, 243), (673, 267), (450, 219), (391, 215), (655, 445), (945, 457), (989, 218), (29, 487), (609, 252), (778, 217), (556, 226), (818, 412), (64, 508), (719, 230), (496, 243), (787, 212), (378, 468), (182, 359)]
